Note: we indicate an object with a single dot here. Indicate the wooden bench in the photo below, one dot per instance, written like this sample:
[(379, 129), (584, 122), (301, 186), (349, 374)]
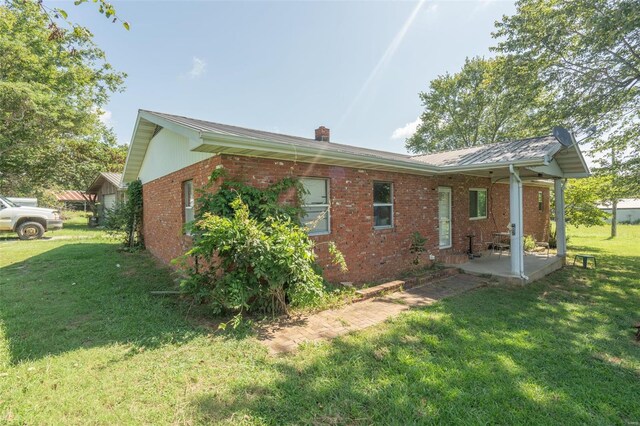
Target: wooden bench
[(585, 260)]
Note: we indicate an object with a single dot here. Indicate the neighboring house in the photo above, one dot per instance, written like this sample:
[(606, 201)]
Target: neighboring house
[(375, 200), (108, 190), (628, 210), (75, 200)]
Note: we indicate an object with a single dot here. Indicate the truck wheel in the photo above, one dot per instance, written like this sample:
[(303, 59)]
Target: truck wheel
[(30, 231)]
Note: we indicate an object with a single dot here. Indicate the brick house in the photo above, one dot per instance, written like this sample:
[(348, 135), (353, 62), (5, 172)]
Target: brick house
[(373, 200)]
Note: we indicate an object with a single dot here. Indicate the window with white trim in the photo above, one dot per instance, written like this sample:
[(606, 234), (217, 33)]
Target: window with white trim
[(188, 201), (315, 203), (382, 205), (477, 203)]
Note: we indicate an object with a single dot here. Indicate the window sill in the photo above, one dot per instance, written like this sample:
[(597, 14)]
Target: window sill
[(382, 228), (478, 218), (318, 234)]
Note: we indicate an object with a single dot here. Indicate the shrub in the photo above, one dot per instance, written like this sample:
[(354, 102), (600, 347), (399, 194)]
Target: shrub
[(529, 243), (250, 252), (253, 265), (125, 219), (417, 246)]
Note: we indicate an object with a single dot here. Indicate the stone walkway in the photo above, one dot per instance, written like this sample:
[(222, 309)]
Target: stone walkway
[(286, 335)]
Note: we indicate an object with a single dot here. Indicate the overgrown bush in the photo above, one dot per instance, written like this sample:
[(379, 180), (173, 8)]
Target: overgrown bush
[(125, 219), (259, 265), (250, 253)]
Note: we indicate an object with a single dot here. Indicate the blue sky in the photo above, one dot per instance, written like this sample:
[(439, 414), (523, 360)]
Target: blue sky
[(289, 67)]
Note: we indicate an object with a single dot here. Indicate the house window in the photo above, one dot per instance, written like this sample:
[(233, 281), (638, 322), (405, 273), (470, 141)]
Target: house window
[(382, 204), (189, 201), (540, 200), (477, 203), (315, 203)]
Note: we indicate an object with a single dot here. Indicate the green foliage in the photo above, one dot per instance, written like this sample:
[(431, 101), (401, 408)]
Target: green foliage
[(529, 243), (582, 197), (250, 252), (588, 53), (262, 203), (417, 246), (104, 7), (337, 257), (254, 265), (487, 101), (53, 85), (125, 218)]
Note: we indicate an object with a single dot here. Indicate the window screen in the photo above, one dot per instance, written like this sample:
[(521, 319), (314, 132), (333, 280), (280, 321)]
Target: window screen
[(383, 204), (316, 205), (477, 203)]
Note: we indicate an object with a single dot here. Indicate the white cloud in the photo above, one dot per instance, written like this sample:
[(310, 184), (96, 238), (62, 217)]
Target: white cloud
[(407, 130), (105, 117), (198, 68)]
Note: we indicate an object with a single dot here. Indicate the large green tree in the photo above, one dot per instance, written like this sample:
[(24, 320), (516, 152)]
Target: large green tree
[(487, 101), (588, 53), (53, 83)]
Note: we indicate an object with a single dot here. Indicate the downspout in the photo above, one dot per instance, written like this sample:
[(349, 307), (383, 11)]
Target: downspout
[(514, 174)]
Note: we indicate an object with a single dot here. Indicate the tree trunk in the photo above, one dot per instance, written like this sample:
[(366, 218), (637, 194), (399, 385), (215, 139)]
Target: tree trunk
[(614, 218)]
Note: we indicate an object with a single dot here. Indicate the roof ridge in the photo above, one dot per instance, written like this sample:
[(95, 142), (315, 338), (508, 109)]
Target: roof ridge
[(407, 156)]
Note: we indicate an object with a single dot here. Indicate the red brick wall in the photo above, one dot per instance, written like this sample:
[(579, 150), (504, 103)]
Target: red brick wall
[(371, 254), (163, 213)]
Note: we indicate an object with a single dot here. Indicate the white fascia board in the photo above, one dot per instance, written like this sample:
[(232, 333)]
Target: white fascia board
[(228, 141), (125, 171), (168, 124), (582, 160), (279, 147), (550, 169), (131, 169)]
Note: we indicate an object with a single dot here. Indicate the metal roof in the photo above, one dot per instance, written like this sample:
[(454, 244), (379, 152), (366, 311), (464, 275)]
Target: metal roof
[(73, 195), (113, 178), (537, 157), (625, 203), (228, 130), (502, 152)]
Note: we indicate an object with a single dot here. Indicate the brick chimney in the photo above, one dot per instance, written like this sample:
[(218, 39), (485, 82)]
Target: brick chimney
[(322, 134)]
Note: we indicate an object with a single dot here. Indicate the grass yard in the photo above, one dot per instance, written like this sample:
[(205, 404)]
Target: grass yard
[(82, 341)]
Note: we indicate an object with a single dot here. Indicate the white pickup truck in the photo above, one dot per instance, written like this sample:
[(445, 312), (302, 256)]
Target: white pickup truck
[(29, 223)]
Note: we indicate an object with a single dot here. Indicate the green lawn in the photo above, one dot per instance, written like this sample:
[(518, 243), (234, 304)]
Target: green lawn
[(82, 341)]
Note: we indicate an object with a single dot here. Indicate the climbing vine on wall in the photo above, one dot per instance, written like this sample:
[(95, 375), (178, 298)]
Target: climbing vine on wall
[(250, 252)]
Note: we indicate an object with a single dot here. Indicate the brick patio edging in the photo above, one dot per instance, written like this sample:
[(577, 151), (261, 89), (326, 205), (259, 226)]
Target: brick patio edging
[(286, 335)]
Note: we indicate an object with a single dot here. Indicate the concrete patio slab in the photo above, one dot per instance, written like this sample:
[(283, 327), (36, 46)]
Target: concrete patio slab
[(536, 266)]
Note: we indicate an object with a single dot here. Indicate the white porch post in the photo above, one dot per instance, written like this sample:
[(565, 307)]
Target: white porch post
[(561, 227), (515, 214)]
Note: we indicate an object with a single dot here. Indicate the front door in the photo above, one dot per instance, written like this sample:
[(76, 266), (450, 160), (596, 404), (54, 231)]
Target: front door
[(444, 216)]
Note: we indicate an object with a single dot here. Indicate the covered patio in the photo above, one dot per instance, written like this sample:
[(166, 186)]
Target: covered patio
[(535, 266), (548, 159)]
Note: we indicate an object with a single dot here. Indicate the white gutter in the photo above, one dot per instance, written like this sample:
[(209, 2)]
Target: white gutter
[(231, 141)]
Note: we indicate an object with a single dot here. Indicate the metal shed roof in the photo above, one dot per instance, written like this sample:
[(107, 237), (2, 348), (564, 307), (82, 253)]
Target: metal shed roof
[(113, 178)]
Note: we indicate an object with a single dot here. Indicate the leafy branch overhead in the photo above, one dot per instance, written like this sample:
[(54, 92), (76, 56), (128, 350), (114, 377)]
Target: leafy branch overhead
[(52, 93), (487, 101), (104, 7)]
